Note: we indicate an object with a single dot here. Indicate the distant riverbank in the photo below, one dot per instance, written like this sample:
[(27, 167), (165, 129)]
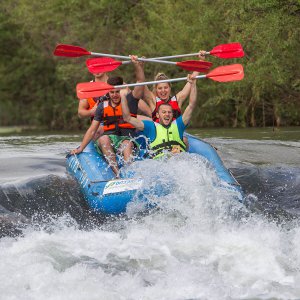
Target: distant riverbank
[(258, 133)]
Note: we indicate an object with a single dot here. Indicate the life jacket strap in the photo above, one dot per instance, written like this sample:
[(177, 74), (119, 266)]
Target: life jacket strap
[(168, 145)]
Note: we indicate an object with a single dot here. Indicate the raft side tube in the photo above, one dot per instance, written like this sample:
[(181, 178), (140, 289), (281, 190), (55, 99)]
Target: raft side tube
[(104, 193)]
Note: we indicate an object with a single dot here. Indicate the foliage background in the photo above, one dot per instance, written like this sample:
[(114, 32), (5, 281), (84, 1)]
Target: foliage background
[(38, 89)]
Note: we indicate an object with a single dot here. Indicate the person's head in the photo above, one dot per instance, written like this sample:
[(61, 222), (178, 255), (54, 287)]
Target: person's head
[(162, 90), (114, 95), (101, 77), (165, 114)]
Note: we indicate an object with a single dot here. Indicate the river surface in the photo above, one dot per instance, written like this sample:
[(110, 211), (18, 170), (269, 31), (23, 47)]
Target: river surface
[(201, 244)]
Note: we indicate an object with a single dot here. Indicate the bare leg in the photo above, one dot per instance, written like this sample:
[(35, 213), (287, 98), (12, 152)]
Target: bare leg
[(126, 148), (104, 143), (98, 133)]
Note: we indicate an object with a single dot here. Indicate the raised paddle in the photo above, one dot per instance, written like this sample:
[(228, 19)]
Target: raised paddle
[(232, 50), (107, 64), (96, 89)]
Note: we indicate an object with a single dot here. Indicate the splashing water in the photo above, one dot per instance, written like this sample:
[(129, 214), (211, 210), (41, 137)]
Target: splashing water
[(199, 243)]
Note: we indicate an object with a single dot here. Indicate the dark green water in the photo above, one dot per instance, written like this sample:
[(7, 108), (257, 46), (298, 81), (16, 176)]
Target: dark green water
[(267, 133)]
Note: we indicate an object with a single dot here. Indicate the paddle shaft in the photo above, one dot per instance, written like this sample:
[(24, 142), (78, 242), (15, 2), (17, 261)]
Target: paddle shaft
[(155, 59), (155, 82), (191, 54), (140, 59), (180, 55)]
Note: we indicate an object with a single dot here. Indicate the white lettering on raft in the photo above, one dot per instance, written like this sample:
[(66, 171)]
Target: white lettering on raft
[(122, 185)]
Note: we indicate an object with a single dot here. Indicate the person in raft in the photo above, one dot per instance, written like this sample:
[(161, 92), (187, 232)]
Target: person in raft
[(166, 134), (118, 133), (87, 107), (161, 93)]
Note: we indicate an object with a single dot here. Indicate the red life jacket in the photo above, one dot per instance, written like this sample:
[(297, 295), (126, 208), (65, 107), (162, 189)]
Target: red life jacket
[(113, 118), (172, 101)]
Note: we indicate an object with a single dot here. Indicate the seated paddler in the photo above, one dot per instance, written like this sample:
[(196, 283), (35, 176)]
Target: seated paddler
[(118, 133), (166, 135)]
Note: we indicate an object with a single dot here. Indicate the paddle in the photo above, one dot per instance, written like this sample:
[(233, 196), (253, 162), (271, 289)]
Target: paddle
[(232, 50), (221, 74), (107, 64)]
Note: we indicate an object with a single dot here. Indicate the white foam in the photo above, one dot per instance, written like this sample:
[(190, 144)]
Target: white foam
[(200, 244)]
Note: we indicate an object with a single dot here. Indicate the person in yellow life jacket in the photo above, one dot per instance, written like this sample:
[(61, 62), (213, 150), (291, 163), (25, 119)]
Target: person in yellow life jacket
[(166, 135), (162, 93), (117, 137)]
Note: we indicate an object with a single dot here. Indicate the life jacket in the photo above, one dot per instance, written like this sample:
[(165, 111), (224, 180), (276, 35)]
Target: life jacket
[(113, 118), (166, 139), (173, 102), (92, 101)]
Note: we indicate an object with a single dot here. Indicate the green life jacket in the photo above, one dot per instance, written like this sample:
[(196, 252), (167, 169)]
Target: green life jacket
[(166, 139)]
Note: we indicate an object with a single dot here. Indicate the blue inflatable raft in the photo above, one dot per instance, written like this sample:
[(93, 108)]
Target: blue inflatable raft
[(106, 194)]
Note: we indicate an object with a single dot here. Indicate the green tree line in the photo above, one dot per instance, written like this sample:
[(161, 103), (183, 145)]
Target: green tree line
[(38, 88)]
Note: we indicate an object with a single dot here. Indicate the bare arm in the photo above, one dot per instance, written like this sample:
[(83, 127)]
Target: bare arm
[(138, 91), (144, 108), (142, 91), (83, 109), (187, 115), (138, 124), (87, 137), (149, 98), (183, 94)]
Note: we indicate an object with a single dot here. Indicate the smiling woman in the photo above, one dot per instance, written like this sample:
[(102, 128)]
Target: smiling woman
[(162, 94)]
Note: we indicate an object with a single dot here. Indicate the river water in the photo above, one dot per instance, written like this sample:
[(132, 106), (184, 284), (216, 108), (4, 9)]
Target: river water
[(201, 244)]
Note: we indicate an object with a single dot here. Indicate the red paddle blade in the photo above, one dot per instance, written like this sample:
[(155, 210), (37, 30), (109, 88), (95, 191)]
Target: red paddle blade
[(195, 65), (233, 50), (86, 90), (227, 73), (70, 51), (102, 64)]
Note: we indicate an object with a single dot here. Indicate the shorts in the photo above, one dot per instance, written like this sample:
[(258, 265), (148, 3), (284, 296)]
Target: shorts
[(116, 141)]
